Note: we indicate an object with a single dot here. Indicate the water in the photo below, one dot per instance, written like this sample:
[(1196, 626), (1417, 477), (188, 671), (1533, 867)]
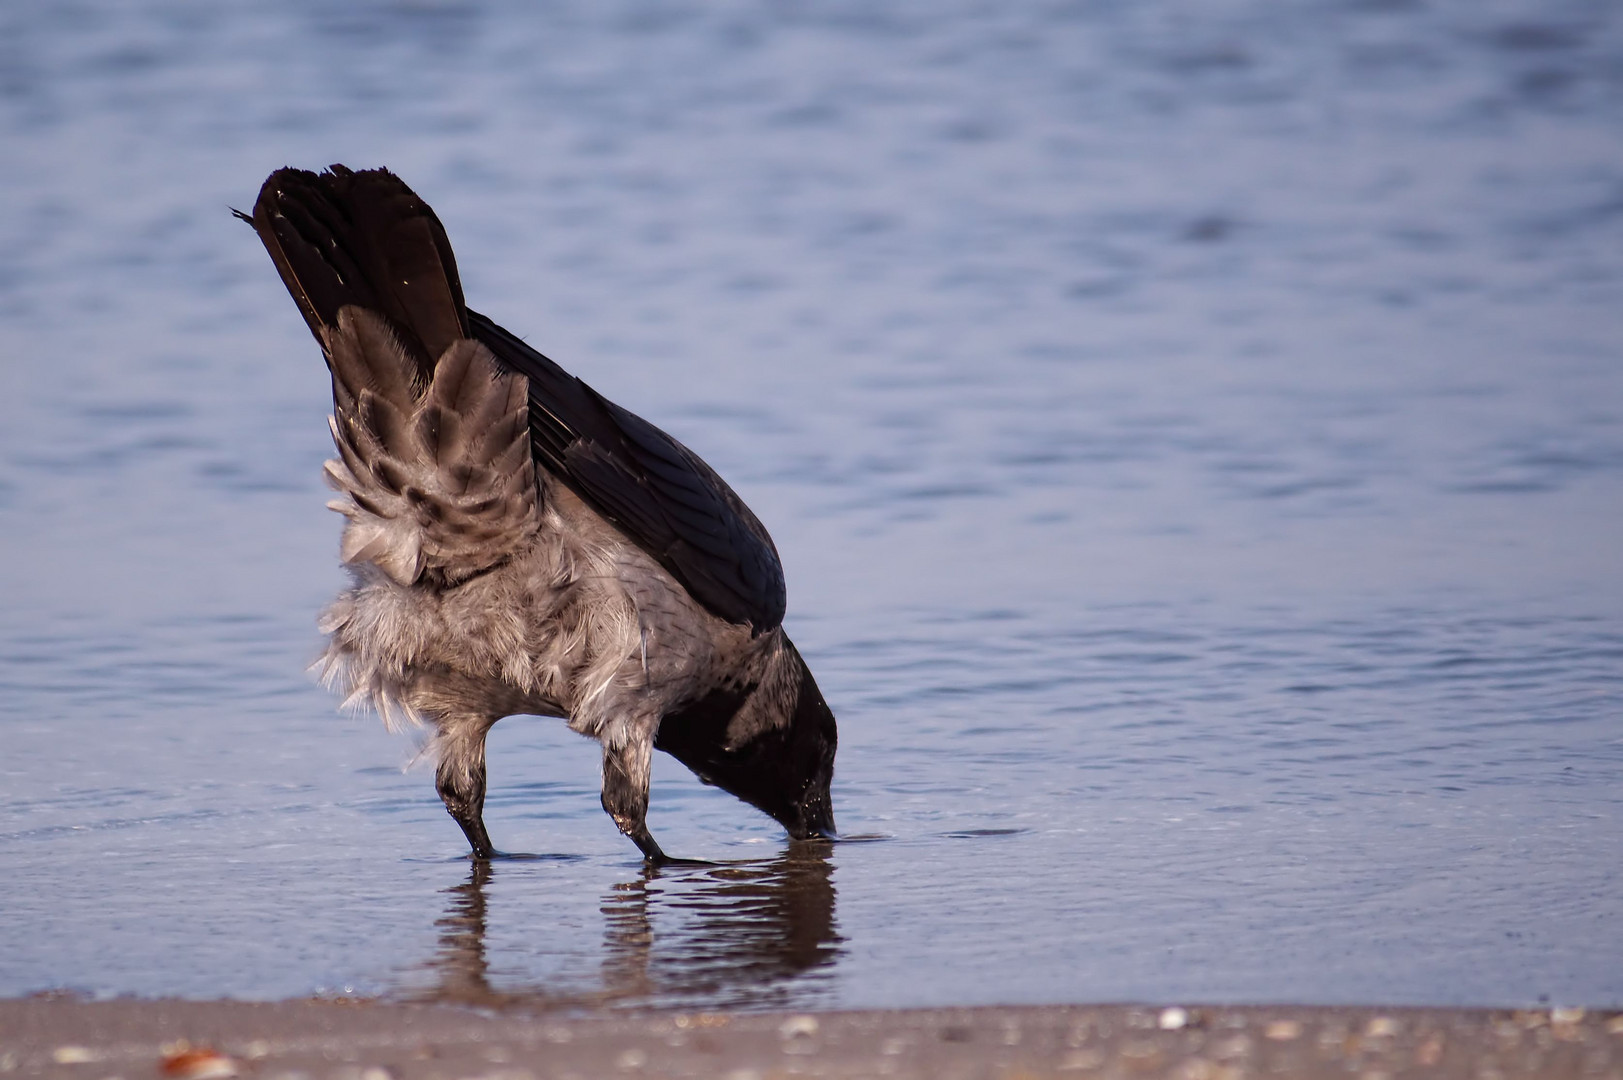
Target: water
[(1194, 434)]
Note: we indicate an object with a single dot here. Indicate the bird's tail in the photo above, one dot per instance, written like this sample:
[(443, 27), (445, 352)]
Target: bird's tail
[(434, 466), (342, 238)]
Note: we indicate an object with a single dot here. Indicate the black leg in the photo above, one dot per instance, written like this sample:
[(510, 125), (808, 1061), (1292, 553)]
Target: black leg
[(625, 794), (649, 847), (625, 797), (478, 839), (460, 780)]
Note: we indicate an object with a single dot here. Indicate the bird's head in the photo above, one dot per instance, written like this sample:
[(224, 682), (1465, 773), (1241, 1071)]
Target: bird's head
[(771, 745)]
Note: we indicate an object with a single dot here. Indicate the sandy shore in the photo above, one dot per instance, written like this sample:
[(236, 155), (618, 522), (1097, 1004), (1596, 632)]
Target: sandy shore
[(318, 1040)]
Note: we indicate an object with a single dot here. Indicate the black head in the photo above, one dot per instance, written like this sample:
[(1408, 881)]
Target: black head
[(772, 745)]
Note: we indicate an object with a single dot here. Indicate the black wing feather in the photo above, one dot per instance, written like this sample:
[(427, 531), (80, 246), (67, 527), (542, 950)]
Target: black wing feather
[(655, 490)]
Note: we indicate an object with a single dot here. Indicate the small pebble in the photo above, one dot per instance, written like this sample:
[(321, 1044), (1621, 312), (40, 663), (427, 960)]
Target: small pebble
[(1382, 1027), (73, 1055), (198, 1063), (1283, 1030), (632, 1059), (798, 1025), (1173, 1019), (1566, 1016), (1614, 1026)]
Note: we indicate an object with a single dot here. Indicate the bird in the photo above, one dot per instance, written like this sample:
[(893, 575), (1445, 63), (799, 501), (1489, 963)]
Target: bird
[(518, 544)]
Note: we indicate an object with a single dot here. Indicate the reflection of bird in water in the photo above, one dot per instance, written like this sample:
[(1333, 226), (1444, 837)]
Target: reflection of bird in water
[(725, 936), (460, 960), (740, 934)]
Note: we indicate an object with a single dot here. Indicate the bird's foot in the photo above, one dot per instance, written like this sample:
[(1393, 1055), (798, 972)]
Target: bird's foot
[(655, 856)]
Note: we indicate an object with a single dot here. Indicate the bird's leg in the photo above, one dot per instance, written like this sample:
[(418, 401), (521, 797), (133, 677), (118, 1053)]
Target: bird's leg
[(625, 791), (460, 779)]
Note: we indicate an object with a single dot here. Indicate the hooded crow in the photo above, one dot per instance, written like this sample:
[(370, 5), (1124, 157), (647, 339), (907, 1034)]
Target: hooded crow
[(517, 543)]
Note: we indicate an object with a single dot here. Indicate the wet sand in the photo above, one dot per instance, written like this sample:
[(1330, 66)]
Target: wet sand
[(344, 1040)]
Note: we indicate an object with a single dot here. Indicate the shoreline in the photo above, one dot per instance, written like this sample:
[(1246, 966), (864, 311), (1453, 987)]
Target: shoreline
[(369, 1040)]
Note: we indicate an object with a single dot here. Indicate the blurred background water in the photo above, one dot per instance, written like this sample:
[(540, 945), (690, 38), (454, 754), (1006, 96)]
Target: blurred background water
[(1193, 432)]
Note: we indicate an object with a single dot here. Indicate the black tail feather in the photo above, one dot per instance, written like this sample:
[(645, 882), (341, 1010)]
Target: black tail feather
[(342, 237)]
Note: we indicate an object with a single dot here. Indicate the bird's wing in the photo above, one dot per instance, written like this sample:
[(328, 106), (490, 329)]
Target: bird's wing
[(656, 491)]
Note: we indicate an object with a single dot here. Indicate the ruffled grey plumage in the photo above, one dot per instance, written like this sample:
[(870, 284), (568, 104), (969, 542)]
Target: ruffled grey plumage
[(440, 480)]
